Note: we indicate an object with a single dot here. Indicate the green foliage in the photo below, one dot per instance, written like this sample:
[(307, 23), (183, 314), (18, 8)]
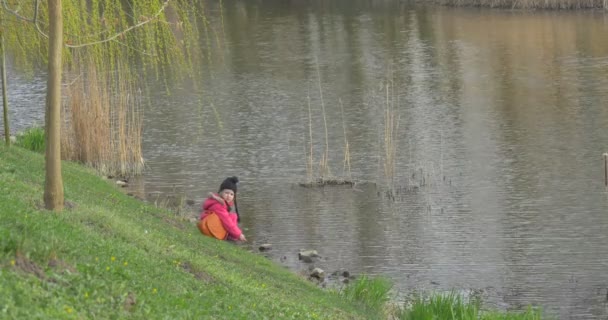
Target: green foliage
[(118, 48), (448, 306), (372, 292), (156, 37), (529, 314), (32, 139), (453, 307), (23, 45)]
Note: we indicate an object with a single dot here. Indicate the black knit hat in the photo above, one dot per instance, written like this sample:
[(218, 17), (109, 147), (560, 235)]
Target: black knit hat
[(230, 184)]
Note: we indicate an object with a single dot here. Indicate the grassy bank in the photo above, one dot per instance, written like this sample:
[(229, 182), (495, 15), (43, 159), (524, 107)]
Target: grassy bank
[(111, 256)]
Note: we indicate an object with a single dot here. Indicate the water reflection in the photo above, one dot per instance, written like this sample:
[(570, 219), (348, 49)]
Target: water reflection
[(503, 117)]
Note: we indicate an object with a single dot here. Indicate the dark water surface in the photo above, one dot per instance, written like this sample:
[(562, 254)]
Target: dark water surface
[(503, 120)]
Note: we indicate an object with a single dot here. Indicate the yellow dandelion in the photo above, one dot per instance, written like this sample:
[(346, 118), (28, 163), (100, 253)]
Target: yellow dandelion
[(96, 259), (12, 262), (107, 268), (126, 263), (68, 309), (154, 291), (113, 259), (86, 295)]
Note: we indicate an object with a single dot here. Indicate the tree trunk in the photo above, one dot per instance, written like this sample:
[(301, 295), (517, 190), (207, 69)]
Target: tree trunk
[(7, 131), (53, 187)]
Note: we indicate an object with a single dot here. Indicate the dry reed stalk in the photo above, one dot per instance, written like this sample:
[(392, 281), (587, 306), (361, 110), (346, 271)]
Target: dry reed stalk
[(391, 127), (309, 162), (324, 173), (323, 164), (346, 163), (103, 123)]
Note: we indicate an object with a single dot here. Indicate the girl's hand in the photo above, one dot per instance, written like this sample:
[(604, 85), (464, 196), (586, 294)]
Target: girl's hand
[(242, 238)]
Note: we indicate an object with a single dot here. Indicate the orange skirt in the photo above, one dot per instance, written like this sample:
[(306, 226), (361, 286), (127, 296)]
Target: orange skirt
[(212, 226)]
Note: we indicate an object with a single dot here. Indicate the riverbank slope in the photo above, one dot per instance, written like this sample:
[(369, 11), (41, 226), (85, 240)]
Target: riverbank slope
[(111, 256)]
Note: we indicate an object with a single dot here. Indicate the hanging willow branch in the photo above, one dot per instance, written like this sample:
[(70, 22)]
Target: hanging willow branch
[(16, 12), (112, 38), (153, 18), (20, 17)]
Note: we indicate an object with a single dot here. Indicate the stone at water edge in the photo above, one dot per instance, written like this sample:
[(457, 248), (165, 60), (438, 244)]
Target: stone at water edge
[(307, 255), (306, 259), (265, 247), (317, 273)]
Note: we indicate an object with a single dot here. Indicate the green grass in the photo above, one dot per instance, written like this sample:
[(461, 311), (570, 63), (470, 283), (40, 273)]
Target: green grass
[(32, 139), (371, 292), (453, 307), (111, 257)]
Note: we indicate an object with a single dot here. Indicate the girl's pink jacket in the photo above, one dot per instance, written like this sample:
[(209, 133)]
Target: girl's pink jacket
[(214, 203)]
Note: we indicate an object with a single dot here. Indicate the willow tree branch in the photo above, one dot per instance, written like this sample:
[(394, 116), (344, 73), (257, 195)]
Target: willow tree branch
[(133, 49), (153, 18), (112, 38), (20, 17), (15, 12), (36, 19)]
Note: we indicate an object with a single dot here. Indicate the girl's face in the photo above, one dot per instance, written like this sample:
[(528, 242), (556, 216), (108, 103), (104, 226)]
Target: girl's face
[(227, 195)]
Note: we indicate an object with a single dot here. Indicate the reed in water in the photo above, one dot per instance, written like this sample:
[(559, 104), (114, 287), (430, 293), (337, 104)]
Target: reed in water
[(103, 122), (322, 175), (391, 127)]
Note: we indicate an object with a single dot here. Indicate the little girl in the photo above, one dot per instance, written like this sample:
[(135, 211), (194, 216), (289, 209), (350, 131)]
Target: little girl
[(223, 206)]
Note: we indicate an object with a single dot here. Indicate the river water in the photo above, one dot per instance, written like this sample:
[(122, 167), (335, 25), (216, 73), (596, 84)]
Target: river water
[(502, 122)]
